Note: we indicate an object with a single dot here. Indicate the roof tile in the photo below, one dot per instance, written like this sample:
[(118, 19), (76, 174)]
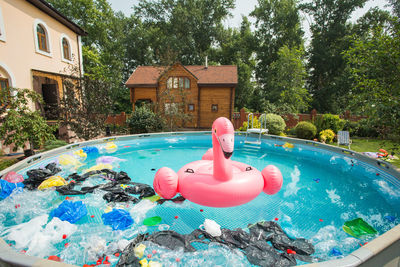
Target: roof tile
[(148, 75)]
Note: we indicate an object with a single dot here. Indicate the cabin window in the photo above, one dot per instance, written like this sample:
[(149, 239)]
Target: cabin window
[(178, 82), (191, 107), (214, 107), (175, 84), (187, 83), (169, 83), (66, 48)]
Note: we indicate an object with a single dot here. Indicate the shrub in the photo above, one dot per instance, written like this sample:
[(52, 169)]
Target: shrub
[(305, 130), (5, 163), (352, 127), (329, 121), (256, 124), (54, 144), (326, 136), (143, 120), (275, 124), (367, 129)]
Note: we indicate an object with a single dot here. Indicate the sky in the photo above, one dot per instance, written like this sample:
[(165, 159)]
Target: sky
[(243, 7)]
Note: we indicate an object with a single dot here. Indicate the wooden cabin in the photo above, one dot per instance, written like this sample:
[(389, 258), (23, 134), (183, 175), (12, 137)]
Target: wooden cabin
[(203, 92)]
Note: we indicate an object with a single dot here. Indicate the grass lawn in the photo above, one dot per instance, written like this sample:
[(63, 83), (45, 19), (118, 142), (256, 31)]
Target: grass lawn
[(373, 145)]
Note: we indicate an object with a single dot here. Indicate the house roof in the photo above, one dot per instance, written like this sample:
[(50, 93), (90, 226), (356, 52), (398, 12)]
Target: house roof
[(147, 76), (52, 12)]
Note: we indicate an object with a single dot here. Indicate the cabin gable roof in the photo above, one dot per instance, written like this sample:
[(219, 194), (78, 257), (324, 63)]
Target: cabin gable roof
[(148, 76)]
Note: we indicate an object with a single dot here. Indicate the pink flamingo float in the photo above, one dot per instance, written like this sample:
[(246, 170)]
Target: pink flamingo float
[(216, 180)]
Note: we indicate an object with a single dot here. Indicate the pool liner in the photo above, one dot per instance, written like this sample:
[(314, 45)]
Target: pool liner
[(118, 219), (255, 245), (6, 188), (70, 211)]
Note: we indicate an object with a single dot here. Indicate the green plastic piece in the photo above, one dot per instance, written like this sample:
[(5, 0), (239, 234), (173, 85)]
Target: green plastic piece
[(153, 198), (358, 228), (151, 221)]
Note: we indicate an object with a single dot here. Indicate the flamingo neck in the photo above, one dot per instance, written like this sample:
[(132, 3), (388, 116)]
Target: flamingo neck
[(222, 167)]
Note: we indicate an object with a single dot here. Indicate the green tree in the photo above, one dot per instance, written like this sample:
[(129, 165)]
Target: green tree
[(18, 123), (374, 62), (104, 48), (288, 81), (326, 64), (277, 24), (84, 106), (237, 47), (184, 29)]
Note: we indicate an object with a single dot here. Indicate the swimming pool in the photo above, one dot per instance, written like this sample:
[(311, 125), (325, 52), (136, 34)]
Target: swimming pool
[(323, 188)]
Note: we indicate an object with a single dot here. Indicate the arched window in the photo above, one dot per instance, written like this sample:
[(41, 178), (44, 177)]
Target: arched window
[(66, 49), (42, 38)]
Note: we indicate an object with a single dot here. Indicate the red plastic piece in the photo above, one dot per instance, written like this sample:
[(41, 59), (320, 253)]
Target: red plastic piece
[(177, 259), (176, 217), (149, 256), (54, 258), (289, 251), (66, 244), (321, 220), (64, 236), (116, 254), (276, 219)]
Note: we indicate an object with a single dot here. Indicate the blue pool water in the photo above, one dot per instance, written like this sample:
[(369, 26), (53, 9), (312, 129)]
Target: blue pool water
[(321, 191)]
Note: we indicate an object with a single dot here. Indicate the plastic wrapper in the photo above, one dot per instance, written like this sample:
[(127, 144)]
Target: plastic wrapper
[(70, 211), (118, 219), (37, 176), (13, 177), (6, 188), (51, 182)]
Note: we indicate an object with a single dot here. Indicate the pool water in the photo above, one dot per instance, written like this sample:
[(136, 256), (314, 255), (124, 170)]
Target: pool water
[(321, 191)]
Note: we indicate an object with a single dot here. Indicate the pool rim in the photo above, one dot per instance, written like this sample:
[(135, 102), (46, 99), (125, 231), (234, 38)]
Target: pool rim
[(369, 251)]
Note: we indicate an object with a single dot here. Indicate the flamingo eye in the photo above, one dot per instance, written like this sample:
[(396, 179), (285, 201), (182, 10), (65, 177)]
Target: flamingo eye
[(215, 130), (223, 139)]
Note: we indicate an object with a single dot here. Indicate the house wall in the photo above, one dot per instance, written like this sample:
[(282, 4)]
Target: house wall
[(190, 96), (18, 51), (139, 93), (209, 96)]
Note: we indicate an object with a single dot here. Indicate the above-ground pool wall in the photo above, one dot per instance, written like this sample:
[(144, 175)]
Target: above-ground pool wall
[(382, 251)]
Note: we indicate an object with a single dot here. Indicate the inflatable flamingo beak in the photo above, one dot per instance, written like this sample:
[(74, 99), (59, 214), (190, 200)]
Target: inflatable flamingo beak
[(226, 142)]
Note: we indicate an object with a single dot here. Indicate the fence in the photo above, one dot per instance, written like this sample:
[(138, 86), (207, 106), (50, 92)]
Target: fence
[(291, 120), (119, 119)]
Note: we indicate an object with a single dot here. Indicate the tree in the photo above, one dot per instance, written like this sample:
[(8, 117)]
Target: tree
[(373, 61), (288, 81), (326, 64), (104, 48), (277, 24), (186, 29), (237, 47), (84, 106), (18, 123)]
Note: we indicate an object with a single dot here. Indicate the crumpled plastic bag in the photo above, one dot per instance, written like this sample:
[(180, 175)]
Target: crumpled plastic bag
[(37, 240), (13, 177), (70, 211), (37, 176), (6, 188), (118, 219), (51, 182)]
